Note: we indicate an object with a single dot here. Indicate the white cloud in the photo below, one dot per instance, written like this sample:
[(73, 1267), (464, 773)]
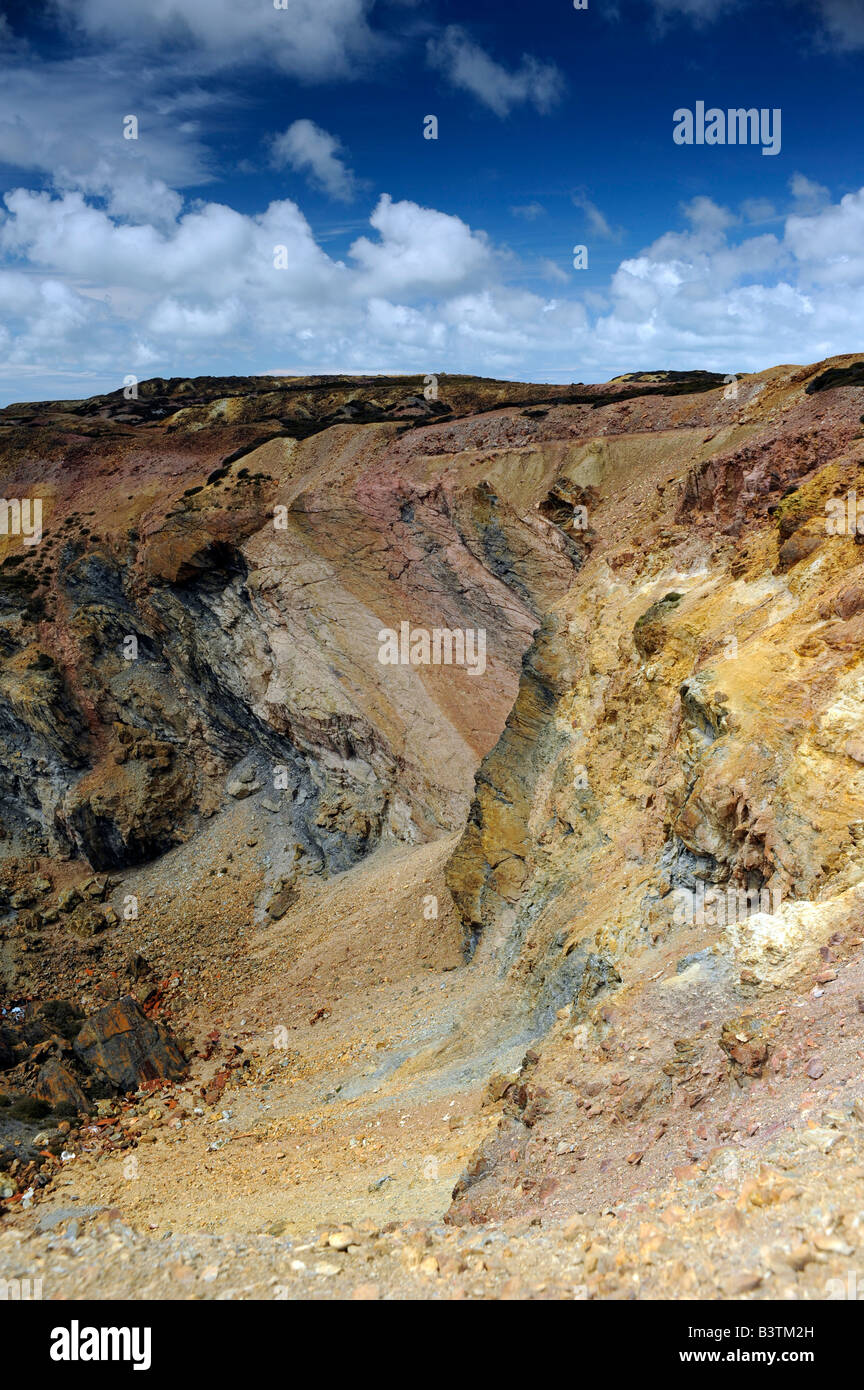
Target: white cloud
[(551, 270), (184, 321), (598, 224), (210, 253), (65, 119), (309, 149), (530, 211), (708, 217), (310, 39), (86, 293), (419, 251), (829, 248), (467, 66), (758, 210), (808, 195), (697, 299)]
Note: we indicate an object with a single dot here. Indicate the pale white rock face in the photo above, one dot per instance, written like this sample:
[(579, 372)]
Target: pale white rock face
[(779, 945)]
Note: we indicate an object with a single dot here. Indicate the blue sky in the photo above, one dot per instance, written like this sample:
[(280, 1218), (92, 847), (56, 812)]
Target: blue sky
[(301, 128)]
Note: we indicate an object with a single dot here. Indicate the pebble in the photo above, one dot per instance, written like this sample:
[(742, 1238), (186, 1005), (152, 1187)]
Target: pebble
[(340, 1240), (821, 1139)]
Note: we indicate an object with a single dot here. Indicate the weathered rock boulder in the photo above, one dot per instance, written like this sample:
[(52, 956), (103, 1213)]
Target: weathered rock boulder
[(56, 1084), (121, 1045)]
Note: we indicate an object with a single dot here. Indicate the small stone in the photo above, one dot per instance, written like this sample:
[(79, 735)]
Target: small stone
[(280, 902), (96, 888), (834, 1118), (832, 1245), (240, 790), (800, 1256), (366, 1293), (815, 1069), (821, 1139), (743, 1283), (496, 1086), (513, 1289)]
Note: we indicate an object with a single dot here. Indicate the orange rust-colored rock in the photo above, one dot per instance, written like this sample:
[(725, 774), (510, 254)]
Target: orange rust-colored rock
[(120, 1044)]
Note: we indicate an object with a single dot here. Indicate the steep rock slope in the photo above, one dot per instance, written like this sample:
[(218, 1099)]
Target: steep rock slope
[(660, 763), (689, 712)]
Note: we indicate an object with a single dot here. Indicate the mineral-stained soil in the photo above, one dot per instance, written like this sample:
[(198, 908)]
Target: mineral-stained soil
[(324, 977)]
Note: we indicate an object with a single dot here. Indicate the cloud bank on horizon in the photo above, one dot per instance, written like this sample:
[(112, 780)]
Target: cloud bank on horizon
[(242, 187)]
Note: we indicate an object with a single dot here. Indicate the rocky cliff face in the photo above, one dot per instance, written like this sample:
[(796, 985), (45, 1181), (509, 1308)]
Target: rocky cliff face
[(669, 695), (214, 573), (655, 776), (689, 712)]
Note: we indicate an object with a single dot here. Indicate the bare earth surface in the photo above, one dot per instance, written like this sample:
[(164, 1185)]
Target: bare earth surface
[(324, 1168), (418, 932)]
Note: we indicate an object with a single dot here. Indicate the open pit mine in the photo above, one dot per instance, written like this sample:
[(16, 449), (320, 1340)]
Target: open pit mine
[(432, 838)]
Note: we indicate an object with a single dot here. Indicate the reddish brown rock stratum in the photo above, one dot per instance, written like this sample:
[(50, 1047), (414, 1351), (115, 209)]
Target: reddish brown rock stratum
[(539, 978)]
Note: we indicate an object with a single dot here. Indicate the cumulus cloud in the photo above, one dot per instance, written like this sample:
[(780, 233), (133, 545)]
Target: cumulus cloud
[(758, 210), (707, 217), (829, 249), (697, 298), (807, 194), (103, 293), (310, 150), (210, 254), (470, 68), (419, 251), (83, 291)]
